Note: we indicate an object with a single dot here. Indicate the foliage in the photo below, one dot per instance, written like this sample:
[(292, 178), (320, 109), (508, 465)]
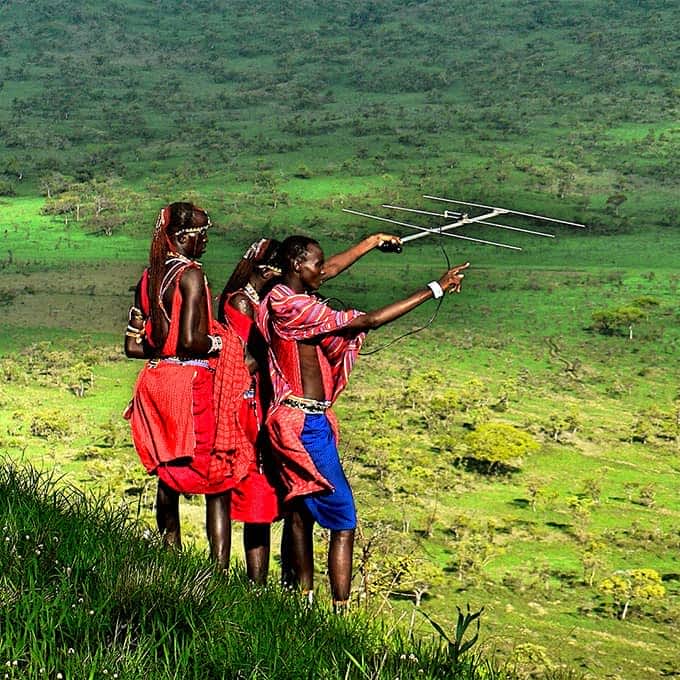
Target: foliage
[(407, 574), (365, 87), (561, 424), (7, 188), (655, 424), (458, 646), (616, 321), (646, 301), (83, 590), (339, 92), (498, 444), (103, 205), (593, 559), (50, 424), (581, 510), (41, 363), (435, 510), (471, 553), (632, 585)]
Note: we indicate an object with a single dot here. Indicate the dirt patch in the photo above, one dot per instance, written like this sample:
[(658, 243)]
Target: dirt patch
[(88, 298)]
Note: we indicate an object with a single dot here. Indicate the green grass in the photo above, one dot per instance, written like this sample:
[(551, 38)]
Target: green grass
[(490, 340), (86, 593), (380, 94), (544, 107)]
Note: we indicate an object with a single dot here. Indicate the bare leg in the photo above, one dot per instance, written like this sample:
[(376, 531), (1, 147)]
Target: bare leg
[(167, 515), (288, 578), (218, 527), (297, 546), (256, 542), (340, 564)]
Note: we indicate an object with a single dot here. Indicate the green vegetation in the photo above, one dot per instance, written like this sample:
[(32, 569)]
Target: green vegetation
[(274, 116), (85, 593), (256, 105)]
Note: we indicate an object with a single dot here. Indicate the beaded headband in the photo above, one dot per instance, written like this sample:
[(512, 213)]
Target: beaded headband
[(163, 222), (277, 271), (196, 230), (257, 250)]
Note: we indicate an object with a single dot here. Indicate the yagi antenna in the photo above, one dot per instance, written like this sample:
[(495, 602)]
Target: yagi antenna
[(453, 215), (505, 210), (424, 231), (463, 219)]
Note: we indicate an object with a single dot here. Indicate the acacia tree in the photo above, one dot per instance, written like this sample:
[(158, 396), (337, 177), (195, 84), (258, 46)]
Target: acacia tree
[(392, 565), (616, 321), (53, 184), (628, 585), (472, 553), (593, 559), (615, 201), (101, 204), (581, 509), (498, 444)]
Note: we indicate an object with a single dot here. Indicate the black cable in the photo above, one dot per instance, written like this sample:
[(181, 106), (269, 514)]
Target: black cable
[(417, 330)]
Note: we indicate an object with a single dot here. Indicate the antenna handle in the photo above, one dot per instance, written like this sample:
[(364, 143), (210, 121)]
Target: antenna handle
[(389, 247)]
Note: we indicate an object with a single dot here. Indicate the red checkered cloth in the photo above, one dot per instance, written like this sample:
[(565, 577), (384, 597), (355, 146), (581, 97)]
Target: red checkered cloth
[(233, 449), (284, 318)]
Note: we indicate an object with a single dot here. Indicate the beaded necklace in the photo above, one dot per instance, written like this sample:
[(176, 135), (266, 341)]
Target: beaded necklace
[(174, 262), (251, 293)]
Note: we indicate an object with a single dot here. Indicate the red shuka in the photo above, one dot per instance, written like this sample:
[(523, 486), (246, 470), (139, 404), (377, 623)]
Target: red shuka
[(172, 414), (254, 499), (284, 318)]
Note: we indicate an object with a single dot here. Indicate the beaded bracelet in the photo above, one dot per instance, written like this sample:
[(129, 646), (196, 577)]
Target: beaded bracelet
[(215, 344)]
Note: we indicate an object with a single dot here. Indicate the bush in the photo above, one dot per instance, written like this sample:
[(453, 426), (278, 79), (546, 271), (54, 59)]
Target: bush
[(654, 424), (7, 188), (498, 443), (632, 584), (50, 425), (616, 321)]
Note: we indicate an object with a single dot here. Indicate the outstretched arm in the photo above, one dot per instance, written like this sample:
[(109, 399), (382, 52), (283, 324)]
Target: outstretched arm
[(336, 264), (451, 282)]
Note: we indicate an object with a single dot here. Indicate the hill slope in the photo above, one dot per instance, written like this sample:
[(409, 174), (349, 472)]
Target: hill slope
[(574, 101)]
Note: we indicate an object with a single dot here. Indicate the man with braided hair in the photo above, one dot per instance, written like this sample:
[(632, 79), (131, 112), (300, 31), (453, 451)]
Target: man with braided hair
[(312, 349), (172, 412), (255, 499)]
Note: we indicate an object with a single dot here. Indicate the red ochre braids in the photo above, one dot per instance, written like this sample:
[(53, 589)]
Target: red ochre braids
[(262, 253), (172, 219)]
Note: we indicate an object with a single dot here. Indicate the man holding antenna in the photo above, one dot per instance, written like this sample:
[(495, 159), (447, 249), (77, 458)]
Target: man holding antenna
[(312, 349)]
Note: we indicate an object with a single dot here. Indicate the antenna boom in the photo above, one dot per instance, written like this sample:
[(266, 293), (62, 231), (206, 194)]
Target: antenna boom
[(514, 212)]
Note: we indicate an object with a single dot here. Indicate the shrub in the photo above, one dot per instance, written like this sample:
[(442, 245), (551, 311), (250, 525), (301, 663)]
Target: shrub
[(628, 585), (50, 425), (616, 321), (645, 301), (559, 424), (498, 443), (302, 172), (7, 188), (654, 423)]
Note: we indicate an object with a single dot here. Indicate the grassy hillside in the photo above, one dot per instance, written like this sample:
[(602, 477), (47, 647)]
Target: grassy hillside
[(87, 594), (531, 539), (274, 117)]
